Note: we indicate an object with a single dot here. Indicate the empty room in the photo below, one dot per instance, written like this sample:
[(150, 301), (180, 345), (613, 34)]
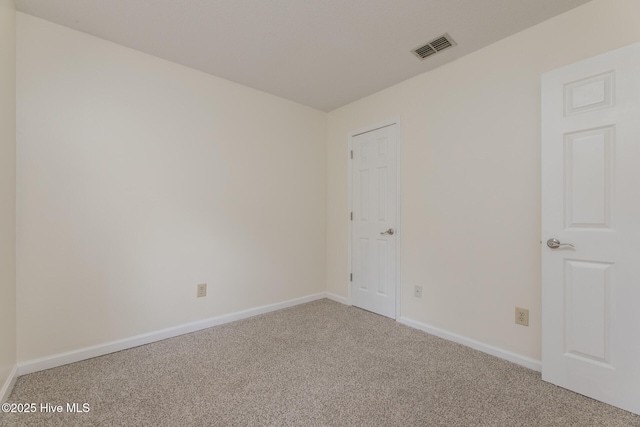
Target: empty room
[(319, 213)]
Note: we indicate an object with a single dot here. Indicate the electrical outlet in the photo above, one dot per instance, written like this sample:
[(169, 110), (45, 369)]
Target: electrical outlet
[(522, 316), (417, 291), (202, 290)]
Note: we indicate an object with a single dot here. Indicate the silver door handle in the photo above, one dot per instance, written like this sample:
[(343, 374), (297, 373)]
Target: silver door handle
[(390, 232), (555, 244)]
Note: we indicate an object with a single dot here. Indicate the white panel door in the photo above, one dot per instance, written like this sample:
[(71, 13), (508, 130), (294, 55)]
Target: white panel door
[(374, 226), (591, 200)]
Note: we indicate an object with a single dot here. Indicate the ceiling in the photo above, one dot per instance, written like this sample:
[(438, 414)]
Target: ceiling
[(320, 53)]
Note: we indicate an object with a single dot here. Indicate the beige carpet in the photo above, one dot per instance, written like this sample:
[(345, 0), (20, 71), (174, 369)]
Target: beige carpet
[(318, 364)]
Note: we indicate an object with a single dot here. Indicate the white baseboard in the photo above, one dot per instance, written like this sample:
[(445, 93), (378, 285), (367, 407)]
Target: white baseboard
[(48, 362), (527, 362), (35, 365), (5, 391), (336, 298)]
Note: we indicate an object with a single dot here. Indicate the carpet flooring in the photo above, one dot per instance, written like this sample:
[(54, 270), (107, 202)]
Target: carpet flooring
[(317, 364)]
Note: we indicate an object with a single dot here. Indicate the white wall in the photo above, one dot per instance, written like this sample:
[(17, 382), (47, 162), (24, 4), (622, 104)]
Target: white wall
[(139, 178), (471, 176), (7, 191)]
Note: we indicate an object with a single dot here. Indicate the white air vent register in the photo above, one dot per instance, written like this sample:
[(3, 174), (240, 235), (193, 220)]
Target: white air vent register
[(434, 46)]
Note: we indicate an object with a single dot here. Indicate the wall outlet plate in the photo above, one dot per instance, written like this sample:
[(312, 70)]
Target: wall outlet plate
[(202, 290), (417, 291), (522, 316)]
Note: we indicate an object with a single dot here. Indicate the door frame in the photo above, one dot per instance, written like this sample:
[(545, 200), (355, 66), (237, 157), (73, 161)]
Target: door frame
[(398, 227)]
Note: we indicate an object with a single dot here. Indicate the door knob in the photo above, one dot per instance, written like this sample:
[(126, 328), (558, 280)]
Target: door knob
[(390, 232), (555, 244)]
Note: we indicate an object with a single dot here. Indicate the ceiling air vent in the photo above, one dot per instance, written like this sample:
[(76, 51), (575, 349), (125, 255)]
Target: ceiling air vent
[(434, 46)]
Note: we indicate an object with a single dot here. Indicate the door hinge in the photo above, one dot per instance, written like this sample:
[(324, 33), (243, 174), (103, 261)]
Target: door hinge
[(352, 154), (351, 277), (351, 216)]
